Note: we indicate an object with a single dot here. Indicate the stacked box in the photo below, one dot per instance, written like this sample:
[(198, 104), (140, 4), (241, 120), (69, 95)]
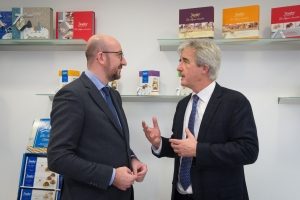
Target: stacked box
[(38, 175), (149, 82), (32, 23), (196, 22), (39, 137), (285, 22), (67, 76), (241, 22), (75, 25), (5, 25), (32, 194)]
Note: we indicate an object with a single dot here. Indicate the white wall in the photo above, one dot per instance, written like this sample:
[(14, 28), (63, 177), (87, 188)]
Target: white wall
[(261, 76)]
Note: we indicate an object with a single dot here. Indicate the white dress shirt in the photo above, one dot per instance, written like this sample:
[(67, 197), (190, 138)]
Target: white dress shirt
[(204, 97)]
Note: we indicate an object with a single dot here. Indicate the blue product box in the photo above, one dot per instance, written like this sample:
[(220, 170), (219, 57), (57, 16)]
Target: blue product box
[(5, 25)]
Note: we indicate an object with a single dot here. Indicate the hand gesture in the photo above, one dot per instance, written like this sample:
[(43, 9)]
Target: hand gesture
[(139, 169), (124, 178), (186, 147), (152, 134)]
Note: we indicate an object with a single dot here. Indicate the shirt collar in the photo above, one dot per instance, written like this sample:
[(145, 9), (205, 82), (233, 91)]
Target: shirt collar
[(98, 83), (206, 93)]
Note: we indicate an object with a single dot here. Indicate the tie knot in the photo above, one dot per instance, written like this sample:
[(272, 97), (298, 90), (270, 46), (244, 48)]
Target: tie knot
[(195, 98), (106, 91)]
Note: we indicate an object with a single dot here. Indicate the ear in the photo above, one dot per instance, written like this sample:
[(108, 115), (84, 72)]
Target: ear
[(205, 69), (100, 58)]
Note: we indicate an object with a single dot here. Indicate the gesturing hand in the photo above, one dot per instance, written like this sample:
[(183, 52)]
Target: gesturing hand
[(186, 147), (152, 134)]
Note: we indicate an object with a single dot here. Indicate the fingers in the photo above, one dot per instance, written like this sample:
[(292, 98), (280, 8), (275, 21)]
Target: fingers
[(189, 133), (155, 124)]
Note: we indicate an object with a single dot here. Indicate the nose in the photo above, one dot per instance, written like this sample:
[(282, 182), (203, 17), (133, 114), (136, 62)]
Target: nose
[(123, 61), (179, 67)]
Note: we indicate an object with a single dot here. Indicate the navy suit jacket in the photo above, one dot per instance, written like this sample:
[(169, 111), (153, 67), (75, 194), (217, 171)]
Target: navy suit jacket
[(86, 142), (227, 140)]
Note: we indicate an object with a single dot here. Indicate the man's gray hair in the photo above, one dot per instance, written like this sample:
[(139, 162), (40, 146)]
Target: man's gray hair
[(207, 53)]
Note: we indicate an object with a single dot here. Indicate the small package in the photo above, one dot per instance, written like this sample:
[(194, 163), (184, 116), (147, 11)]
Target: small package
[(39, 137), (5, 25), (36, 164), (75, 25), (196, 22), (114, 84), (67, 76), (285, 22), (32, 194), (182, 90), (32, 23), (241, 22), (149, 82)]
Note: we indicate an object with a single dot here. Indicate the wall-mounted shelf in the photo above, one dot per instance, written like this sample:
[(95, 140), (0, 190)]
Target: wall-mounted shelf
[(43, 45), (135, 98), (262, 44), (288, 100)]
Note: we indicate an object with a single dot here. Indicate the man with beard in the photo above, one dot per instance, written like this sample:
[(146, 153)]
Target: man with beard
[(89, 138)]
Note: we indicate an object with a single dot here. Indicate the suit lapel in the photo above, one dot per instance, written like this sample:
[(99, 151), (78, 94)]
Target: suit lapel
[(96, 95), (210, 111), (181, 114)]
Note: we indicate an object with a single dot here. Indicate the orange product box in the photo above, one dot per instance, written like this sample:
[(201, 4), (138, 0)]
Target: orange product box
[(241, 22)]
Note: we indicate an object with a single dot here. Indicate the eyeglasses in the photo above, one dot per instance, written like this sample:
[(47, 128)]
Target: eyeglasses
[(118, 53)]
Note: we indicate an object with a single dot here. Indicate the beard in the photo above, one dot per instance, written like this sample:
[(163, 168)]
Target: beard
[(112, 73)]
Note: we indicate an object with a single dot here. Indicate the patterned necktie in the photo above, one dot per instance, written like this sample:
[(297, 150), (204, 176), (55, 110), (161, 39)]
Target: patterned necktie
[(186, 161), (110, 104)]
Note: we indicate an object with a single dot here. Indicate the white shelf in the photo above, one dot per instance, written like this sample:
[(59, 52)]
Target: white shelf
[(43, 45), (288, 100), (262, 44), (135, 98)]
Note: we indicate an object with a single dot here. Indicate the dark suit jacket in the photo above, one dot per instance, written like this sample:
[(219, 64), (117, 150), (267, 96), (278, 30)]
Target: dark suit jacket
[(86, 142), (227, 140)]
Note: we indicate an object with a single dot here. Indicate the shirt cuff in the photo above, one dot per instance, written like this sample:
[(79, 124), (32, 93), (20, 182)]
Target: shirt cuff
[(112, 177), (157, 150)]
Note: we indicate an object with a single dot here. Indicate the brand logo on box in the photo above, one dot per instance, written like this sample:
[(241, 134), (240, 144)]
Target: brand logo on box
[(30, 176), (84, 24), (287, 14), (32, 161), (239, 14), (26, 194)]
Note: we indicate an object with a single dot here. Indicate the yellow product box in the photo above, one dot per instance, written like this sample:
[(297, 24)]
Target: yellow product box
[(241, 22), (67, 76)]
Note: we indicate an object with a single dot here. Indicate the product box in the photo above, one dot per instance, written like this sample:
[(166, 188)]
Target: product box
[(114, 84), (67, 76), (58, 195), (32, 23), (32, 194), (149, 82), (75, 25), (182, 90), (44, 180), (285, 22), (241, 22), (39, 137), (36, 164), (196, 22), (5, 25)]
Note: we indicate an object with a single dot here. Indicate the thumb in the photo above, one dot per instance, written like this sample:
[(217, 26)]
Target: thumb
[(189, 133), (155, 124)]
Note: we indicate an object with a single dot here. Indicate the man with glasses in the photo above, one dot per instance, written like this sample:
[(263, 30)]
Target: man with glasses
[(89, 138), (214, 132)]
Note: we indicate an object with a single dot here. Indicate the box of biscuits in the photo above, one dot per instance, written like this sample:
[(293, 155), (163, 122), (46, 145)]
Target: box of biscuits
[(241, 22), (39, 137), (5, 25), (75, 25), (196, 22), (36, 164), (149, 82), (43, 180), (33, 194), (285, 22), (32, 23)]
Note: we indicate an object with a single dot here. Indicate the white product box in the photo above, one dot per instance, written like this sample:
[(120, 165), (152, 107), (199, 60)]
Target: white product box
[(32, 194), (44, 180), (67, 76), (149, 82)]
